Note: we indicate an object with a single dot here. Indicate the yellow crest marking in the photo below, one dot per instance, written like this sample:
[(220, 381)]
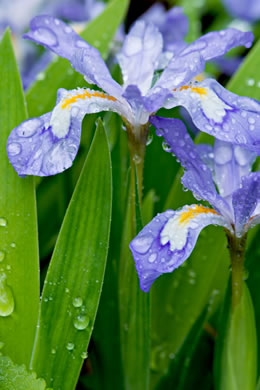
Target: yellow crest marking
[(86, 94), (199, 90), (192, 212)]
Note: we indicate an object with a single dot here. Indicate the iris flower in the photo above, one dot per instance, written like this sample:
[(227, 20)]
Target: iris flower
[(48, 144), (221, 176), (244, 9)]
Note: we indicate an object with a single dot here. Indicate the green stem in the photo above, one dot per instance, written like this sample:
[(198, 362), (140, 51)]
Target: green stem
[(137, 144), (236, 248)]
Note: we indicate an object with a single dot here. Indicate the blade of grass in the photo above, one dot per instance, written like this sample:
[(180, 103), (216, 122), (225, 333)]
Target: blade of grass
[(19, 292), (74, 280)]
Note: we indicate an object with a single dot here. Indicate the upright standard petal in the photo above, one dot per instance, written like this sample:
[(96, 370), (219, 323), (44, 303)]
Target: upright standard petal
[(245, 201), (172, 24), (244, 9), (64, 41), (48, 145), (232, 162), (217, 43), (221, 113), (139, 55), (181, 70), (198, 177), (168, 240)]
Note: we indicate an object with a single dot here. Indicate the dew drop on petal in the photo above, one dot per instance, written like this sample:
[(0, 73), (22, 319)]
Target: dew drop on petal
[(152, 257), (28, 128), (81, 43), (143, 243), (14, 148), (45, 36)]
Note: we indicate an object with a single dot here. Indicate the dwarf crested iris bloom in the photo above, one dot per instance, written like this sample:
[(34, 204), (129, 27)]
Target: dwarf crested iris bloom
[(244, 9), (48, 145), (168, 240), (172, 24)]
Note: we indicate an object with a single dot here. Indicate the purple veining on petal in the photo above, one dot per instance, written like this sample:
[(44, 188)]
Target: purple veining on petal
[(139, 55), (221, 113), (217, 43), (245, 200)]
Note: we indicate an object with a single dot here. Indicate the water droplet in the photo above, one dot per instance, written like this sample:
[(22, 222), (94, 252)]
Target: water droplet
[(77, 302), (3, 222), (53, 351), (14, 148), (70, 346), (149, 139), (84, 355), (137, 159), (81, 322), (8, 267), (166, 147), (152, 257), (45, 36), (12, 245), (40, 76), (29, 127), (81, 43), (2, 255), (6, 298), (250, 82), (67, 290)]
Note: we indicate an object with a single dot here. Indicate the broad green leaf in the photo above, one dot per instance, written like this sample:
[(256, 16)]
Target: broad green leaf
[(179, 298), (41, 97), (134, 315), (180, 366), (19, 268), (74, 280), (245, 81), (236, 349), (17, 377), (106, 357)]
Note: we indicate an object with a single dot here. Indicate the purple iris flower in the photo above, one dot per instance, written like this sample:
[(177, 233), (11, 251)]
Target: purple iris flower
[(172, 24), (48, 145), (244, 9), (219, 175)]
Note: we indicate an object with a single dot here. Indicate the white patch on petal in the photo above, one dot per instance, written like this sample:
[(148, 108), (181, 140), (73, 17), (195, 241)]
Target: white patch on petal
[(60, 121), (174, 233), (213, 107)]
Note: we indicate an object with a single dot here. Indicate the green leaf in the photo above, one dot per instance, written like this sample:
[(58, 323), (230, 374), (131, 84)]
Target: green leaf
[(134, 317), (244, 82), (17, 377), (179, 298), (74, 280), (181, 362), (19, 266), (236, 348), (41, 97)]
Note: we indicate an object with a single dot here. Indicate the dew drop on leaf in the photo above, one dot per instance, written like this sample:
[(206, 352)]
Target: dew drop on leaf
[(2, 255), (70, 346), (77, 302), (6, 297), (3, 222), (81, 322)]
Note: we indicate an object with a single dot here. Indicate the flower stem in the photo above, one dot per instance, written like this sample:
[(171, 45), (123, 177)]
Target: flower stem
[(236, 246), (137, 144)]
